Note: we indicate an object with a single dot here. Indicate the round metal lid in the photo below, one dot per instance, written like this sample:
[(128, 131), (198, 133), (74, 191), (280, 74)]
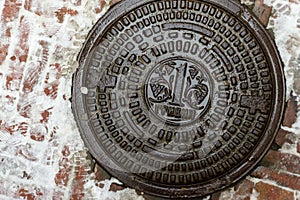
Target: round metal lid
[(178, 98)]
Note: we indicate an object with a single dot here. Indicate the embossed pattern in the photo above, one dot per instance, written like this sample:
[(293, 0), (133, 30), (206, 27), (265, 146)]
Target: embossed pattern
[(180, 94), (177, 91)]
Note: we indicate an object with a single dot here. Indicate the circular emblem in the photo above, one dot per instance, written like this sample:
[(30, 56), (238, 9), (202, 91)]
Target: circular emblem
[(178, 98), (177, 91)]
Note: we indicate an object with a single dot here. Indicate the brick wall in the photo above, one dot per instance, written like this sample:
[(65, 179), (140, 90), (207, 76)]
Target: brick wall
[(41, 153)]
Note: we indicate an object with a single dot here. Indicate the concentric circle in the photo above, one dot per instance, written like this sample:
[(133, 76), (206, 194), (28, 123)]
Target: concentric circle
[(178, 98)]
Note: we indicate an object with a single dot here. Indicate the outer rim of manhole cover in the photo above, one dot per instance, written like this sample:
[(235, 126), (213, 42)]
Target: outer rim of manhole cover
[(86, 85)]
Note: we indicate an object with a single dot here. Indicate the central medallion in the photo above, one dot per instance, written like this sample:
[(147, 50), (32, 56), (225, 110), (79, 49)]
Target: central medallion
[(178, 91)]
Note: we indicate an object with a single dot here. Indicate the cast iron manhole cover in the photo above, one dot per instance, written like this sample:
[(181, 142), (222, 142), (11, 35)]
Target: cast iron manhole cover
[(178, 98)]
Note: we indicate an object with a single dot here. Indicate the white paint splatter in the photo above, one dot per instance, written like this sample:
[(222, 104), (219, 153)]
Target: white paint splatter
[(285, 22), (95, 192)]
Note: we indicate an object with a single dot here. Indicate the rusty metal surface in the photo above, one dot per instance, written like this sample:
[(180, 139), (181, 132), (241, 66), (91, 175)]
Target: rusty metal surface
[(178, 98)]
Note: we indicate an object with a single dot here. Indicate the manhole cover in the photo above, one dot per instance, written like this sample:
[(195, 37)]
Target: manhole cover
[(178, 98)]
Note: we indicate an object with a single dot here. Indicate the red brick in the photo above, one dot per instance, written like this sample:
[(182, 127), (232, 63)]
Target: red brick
[(3, 52), (243, 190), (82, 169), (10, 12), (293, 1), (9, 80), (282, 161), (114, 2), (21, 54), (102, 4), (26, 176), (30, 79), (22, 128), (6, 128), (21, 51), (116, 187), (66, 151), (50, 89), (100, 185), (37, 135), (60, 14), (282, 137), (24, 107), (100, 7), (267, 191), (27, 4), (63, 176), (100, 173), (26, 194), (290, 112), (29, 192), (281, 178), (81, 173), (58, 195), (37, 9), (57, 67), (262, 11), (25, 152), (32, 74), (13, 58), (45, 115), (215, 196), (77, 3), (11, 99)]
